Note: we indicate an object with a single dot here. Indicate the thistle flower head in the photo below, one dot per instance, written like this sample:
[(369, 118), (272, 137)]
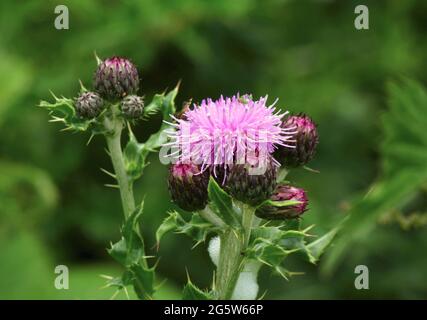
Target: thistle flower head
[(282, 193), (115, 78), (132, 106), (89, 105), (306, 138), (229, 131), (188, 186)]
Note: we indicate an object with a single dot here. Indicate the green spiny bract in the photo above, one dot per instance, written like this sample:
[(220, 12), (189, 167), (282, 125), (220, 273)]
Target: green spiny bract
[(244, 184), (188, 186), (116, 78), (283, 193), (89, 105), (132, 107), (306, 140)]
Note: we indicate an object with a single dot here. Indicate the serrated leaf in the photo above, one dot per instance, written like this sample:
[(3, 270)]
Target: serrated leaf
[(133, 157), (136, 153), (318, 247), (222, 204), (191, 292), (143, 281), (196, 228), (129, 251), (62, 110)]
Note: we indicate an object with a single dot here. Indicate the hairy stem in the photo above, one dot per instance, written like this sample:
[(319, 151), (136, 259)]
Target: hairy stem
[(115, 126), (208, 215), (233, 244)]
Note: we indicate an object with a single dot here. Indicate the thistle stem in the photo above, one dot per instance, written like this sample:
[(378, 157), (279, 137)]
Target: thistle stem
[(208, 215), (115, 126), (233, 245)]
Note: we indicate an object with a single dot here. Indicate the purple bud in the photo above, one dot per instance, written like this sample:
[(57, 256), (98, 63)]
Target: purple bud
[(89, 105), (283, 193), (115, 78), (306, 142), (188, 186)]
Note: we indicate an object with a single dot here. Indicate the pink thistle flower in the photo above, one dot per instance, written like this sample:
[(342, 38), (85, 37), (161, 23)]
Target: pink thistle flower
[(228, 131)]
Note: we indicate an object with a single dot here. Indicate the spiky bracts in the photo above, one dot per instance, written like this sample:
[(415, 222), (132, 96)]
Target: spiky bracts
[(306, 140), (251, 184), (116, 78), (132, 107), (89, 105), (188, 186)]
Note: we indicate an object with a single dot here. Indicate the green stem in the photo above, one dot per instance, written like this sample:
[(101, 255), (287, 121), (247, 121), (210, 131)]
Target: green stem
[(233, 244), (115, 126), (230, 263), (208, 215)]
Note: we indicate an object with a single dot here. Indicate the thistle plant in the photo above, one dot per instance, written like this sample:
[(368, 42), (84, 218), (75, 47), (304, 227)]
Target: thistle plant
[(111, 109), (229, 161)]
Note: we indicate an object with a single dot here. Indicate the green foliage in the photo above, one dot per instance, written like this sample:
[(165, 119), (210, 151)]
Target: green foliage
[(62, 110), (196, 228), (271, 245), (222, 204), (191, 292), (404, 167), (135, 153), (129, 251)]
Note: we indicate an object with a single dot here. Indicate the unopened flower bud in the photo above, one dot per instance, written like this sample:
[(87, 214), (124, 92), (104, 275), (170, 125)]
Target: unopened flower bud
[(115, 78), (132, 107), (284, 193), (89, 105), (188, 186), (306, 142), (252, 184)]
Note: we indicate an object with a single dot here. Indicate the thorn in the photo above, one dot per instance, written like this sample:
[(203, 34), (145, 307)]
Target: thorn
[(114, 295), (311, 169), (106, 276), (90, 139), (112, 175), (115, 186), (126, 292), (98, 61)]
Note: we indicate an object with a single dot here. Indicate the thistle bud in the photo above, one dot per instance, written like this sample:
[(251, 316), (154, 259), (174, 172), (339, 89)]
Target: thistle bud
[(306, 142), (132, 107), (115, 78), (246, 184), (89, 105), (188, 186), (283, 193)]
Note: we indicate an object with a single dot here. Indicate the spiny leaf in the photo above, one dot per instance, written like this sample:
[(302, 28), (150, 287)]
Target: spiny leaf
[(222, 204), (191, 292), (196, 228), (62, 110)]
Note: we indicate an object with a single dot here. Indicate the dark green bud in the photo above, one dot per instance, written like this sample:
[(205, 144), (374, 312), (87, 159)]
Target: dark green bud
[(246, 185), (132, 107), (89, 105)]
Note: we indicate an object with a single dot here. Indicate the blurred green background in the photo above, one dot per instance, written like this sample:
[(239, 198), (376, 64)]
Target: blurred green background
[(55, 210)]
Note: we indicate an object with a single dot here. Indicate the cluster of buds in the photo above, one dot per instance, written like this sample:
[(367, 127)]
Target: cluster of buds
[(115, 80), (294, 143)]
